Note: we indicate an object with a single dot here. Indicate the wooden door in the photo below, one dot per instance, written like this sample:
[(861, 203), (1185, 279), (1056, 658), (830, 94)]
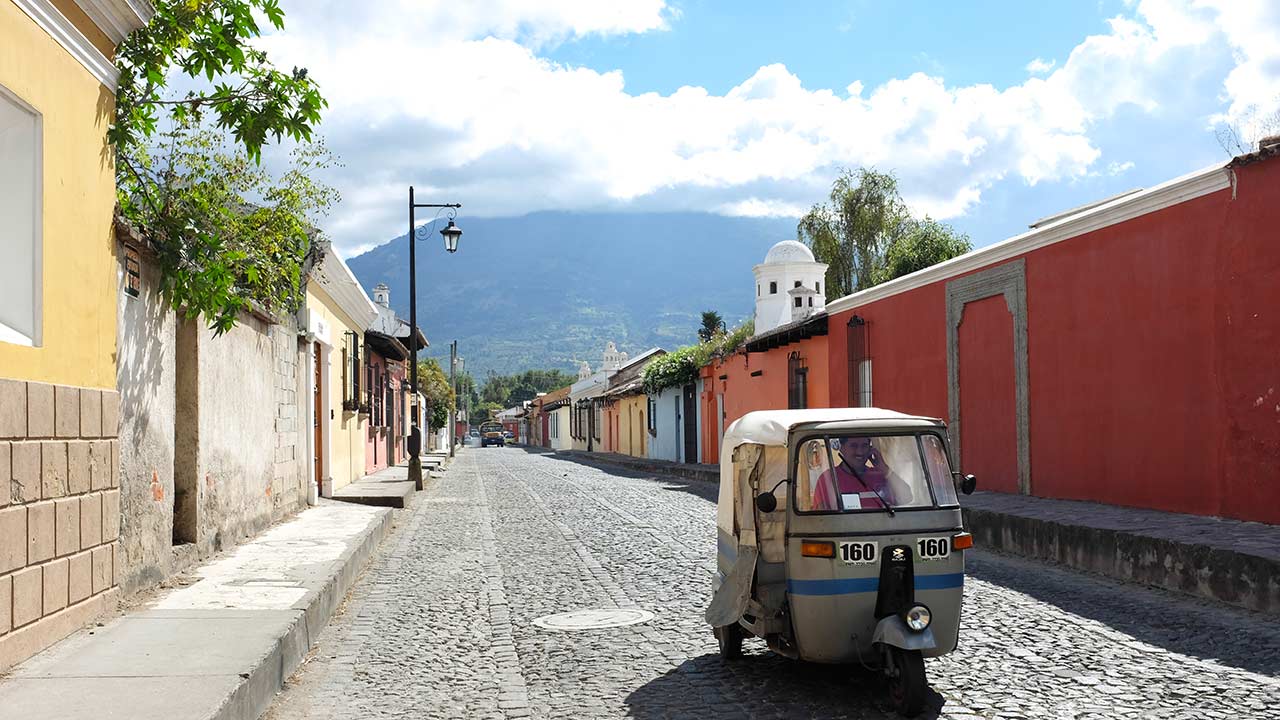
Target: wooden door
[(690, 425), (318, 416)]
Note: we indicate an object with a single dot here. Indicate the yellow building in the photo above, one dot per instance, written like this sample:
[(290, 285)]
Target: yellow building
[(337, 314), (59, 409), (633, 425)]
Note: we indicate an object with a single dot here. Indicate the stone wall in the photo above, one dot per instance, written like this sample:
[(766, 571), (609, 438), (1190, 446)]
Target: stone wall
[(146, 379), (59, 512), (213, 451)]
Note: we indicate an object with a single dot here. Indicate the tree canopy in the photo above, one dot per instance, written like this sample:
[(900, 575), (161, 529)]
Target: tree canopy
[(503, 391), (435, 386), (712, 323), (866, 235), (229, 235)]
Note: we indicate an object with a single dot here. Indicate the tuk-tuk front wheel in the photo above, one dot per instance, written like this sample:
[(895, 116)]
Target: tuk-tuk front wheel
[(730, 639), (907, 684)]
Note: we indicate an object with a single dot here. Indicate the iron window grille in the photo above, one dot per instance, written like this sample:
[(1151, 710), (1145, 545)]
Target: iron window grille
[(859, 352), (351, 372), (797, 382), (651, 412)]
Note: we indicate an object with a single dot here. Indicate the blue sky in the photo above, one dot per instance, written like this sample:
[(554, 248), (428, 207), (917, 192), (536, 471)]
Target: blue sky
[(716, 45), (992, 114)]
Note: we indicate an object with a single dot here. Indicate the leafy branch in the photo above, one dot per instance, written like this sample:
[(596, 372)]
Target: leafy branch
[(228, 235)]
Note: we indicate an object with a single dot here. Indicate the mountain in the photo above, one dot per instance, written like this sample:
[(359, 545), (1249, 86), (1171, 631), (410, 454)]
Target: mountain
[(548, 289)]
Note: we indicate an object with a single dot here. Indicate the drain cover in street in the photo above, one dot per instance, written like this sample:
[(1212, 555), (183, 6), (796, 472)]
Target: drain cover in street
[(593, 619)]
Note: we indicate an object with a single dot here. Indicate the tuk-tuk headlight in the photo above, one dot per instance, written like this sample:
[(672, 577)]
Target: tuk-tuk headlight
[(918, 618)]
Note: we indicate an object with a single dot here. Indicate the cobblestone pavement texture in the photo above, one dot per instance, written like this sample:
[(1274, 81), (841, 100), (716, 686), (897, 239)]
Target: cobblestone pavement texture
[(441, 624)]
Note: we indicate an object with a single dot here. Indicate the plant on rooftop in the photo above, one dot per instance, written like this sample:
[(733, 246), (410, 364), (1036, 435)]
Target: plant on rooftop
[(682, 366)]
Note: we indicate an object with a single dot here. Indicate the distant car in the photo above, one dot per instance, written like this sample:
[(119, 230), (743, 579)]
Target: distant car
[(507, 434), (474, 433)]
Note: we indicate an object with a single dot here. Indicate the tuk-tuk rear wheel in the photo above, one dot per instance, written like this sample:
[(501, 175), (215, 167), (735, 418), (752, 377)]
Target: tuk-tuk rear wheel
[(907, 687), (730, 639)]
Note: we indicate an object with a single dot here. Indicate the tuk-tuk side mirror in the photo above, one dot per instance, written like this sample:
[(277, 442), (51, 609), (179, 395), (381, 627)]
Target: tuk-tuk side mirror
[(766, 502), (968, 484)]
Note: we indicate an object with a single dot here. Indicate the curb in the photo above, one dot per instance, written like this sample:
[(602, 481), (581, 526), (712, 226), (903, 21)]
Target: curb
[(691, 472), (1211, 573), (254, 695)]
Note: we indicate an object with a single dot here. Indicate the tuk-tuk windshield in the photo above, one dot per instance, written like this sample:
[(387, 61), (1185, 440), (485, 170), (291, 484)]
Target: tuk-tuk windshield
[(851, 473)]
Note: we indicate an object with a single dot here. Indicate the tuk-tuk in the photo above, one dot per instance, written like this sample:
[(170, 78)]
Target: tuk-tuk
[(840, 540)]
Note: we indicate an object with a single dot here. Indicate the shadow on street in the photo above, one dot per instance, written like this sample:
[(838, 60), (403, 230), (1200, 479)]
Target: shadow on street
[(762, 684)]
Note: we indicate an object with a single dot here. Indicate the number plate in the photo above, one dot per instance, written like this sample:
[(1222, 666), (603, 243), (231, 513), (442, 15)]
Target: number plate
[(860, 553), (933, 548)]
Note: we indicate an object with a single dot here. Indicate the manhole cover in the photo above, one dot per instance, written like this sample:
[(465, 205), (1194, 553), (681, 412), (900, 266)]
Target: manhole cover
[(593, 619)]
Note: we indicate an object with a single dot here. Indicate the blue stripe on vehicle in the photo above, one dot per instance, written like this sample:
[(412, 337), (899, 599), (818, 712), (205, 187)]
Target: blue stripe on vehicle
[(849, 586), (939, 582), (841, 586)]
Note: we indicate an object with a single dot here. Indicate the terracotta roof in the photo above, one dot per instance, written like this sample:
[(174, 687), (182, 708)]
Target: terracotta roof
[(1267, 147)]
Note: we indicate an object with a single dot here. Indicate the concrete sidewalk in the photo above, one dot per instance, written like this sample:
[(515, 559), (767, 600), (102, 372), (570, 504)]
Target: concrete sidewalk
[(1229, 561), (219, 648), (389, 487)]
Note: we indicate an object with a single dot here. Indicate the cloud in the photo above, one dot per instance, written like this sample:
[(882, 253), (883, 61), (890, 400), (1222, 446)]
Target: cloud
[(1119, 168), (1252, 28), (1040, 66), (456, 99), (755, 207)]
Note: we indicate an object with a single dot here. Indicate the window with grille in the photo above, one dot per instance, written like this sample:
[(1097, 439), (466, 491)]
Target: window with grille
[(859, 363), (652, 412), (797, 382), (351, 372)]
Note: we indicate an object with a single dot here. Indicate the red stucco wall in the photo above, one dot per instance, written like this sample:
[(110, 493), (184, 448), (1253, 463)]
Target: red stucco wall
[(744, 393), (1153, 356)]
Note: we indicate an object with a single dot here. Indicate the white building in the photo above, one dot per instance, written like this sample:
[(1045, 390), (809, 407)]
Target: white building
[(788, 285), (586, 421)]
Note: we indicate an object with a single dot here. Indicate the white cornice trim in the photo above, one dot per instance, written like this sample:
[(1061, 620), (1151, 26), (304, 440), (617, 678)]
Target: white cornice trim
[(71, 39), (117, 18), (1172, 192), (341, 285)]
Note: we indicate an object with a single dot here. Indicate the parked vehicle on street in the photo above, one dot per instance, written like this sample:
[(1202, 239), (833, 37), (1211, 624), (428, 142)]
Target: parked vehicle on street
[(491, 434), (840, 540)]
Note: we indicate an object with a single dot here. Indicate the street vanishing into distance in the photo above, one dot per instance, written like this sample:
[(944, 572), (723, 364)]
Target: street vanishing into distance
[(441, 624)]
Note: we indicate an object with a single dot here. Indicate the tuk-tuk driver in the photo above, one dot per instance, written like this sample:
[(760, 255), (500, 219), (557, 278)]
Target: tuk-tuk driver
[(862, 479)]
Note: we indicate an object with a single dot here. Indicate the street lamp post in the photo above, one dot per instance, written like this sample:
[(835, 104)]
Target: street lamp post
[(451, 234), (453, 384)]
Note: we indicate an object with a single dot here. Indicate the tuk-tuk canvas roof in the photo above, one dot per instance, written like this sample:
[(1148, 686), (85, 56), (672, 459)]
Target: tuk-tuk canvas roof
[(770, 427)]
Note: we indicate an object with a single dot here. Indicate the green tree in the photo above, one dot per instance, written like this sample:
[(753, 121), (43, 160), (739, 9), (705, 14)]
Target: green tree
[(926, 242), (712, 323), (229, 236), (435, 386), (510, 390), (851, 233)]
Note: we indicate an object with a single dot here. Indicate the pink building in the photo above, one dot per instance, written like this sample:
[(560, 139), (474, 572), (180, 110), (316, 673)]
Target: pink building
[(388, 345)]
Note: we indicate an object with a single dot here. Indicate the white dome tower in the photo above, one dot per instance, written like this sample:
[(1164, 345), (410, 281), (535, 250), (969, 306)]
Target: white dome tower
[(789, 285)]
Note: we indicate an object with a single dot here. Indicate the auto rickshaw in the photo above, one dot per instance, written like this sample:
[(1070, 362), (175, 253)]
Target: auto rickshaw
[(840, 540)]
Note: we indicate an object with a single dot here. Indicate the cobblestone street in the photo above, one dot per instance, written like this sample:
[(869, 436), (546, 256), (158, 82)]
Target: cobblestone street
[(441, 624)]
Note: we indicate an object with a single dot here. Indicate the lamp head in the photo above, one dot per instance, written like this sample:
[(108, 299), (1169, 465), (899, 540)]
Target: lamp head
[(451, 235)]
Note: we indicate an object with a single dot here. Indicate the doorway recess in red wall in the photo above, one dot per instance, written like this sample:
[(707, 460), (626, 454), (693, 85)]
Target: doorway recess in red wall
[(988, 406)]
